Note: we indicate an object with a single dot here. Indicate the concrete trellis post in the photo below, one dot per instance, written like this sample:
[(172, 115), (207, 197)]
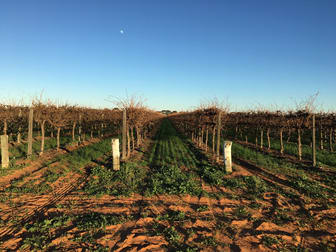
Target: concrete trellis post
[(115, 154), (227, 156), (4, 151)]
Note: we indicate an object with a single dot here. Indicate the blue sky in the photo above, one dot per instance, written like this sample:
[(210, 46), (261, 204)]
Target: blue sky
[(174, 53)]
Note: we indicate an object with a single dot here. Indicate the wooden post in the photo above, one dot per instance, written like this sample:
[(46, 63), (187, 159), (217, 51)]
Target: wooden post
[(73, 131), (4, 151), (19, 131), (128, 143), (42, 136), (124, 133), (58, 138), (314, 143), (115, 154), (261, 138), (138, 136), (256, 138), (321, 138), (219, 126), (268, 138), (30, 133), (102, 126), (227, 156), (79, 128), (198, 138), (19, 136), (213, 139), (206, 138), (5, 127), (133, 138), (281, 142), (299, 144)]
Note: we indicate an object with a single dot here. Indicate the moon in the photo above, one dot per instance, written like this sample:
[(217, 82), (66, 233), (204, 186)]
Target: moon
[(121, 31)]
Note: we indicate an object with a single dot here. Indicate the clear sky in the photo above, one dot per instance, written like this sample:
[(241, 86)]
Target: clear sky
[(175, 53)]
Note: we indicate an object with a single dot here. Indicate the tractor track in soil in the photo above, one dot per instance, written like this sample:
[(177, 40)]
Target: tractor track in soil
[(55, 196)]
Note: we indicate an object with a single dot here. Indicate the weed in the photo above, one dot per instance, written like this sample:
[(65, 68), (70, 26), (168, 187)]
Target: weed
[(173, 216), (282, 217), (202, 208), (39, 234), (241, 213), (94, 220), (209, 241), (269, 241), (171, 180)]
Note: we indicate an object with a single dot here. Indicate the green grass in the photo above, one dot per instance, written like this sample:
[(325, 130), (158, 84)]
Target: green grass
[(170, 149), (304, 181), (295, 175), (171, 180), (322, 156), (160, 173), (82, 156), (71, 162), (20, 151), (169, 154), (129, 179)]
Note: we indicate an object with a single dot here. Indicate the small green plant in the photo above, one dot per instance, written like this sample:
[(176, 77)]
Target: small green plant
[(173, 216), (39, 233), (209, 241), (255, 205), (269, 241), (241, 213), (172, 236), (94, 220), (202, 208), (282, 217), (171, 180)]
